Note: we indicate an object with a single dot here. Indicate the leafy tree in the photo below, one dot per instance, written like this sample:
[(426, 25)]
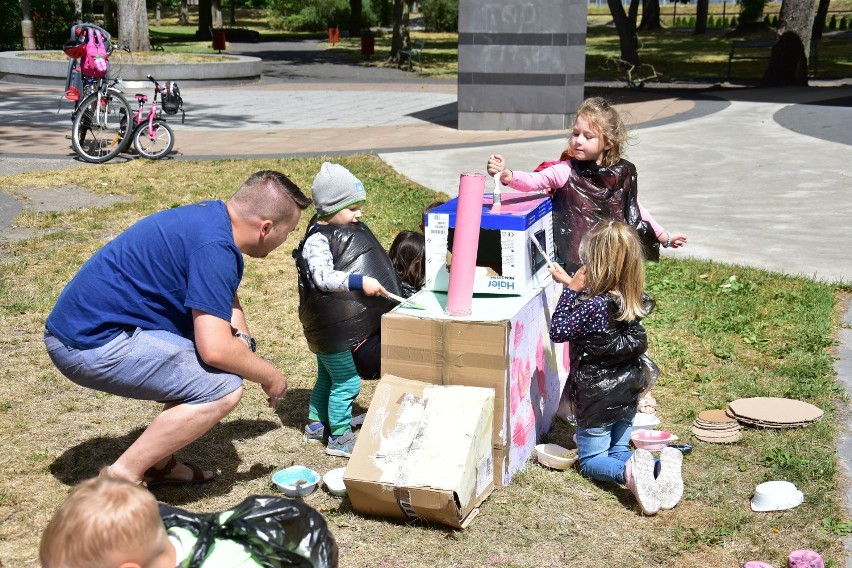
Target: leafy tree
[(750, 14), (401, 37), (626, 27), (440, 15)]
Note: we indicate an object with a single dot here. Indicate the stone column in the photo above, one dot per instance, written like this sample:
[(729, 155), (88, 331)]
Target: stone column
[(521, 63)]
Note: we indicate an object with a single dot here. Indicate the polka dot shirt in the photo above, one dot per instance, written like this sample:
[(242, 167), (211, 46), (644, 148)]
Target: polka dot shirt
[(574, 319)]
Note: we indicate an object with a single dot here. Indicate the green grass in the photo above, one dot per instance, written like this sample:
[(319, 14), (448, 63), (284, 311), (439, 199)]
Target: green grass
[(719, 332)]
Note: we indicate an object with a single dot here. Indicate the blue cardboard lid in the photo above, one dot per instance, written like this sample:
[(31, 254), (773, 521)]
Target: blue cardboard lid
[(518, 211)]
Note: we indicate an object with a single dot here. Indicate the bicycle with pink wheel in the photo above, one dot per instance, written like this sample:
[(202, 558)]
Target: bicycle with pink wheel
[(151, 136)]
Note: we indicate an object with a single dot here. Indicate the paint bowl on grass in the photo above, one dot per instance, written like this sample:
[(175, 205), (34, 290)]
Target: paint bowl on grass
[(296, 480), (652, 440), (555, 456), (333, 481)]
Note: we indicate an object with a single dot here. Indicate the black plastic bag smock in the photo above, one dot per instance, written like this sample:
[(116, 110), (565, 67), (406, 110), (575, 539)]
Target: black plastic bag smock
[(339, 321), (276, 532), (594, 193), (607, 371)]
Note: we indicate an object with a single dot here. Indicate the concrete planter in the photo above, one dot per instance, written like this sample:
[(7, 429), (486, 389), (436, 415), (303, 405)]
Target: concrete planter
[(236, 68)]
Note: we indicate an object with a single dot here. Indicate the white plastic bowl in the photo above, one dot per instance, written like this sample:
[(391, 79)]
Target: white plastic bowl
[(776, 496), (333, 481), (288, 480), (555, 456), (651, 440), (646, 421)]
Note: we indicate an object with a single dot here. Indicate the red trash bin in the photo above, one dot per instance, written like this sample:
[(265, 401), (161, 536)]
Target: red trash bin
[(368, 45), (333, 35), (219, 40)]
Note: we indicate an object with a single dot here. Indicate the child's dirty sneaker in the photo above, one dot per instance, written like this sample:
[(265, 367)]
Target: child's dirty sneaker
[(670, 480), (342, 445), (639, 478), (315, 432)]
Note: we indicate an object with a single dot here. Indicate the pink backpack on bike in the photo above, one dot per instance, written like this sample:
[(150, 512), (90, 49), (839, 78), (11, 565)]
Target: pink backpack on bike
[(94, 62)]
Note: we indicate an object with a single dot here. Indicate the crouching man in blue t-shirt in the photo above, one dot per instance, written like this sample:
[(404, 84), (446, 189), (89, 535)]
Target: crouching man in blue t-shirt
[(154, 315)]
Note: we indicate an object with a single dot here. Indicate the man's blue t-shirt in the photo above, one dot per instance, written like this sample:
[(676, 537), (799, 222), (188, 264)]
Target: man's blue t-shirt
[(152, 276)]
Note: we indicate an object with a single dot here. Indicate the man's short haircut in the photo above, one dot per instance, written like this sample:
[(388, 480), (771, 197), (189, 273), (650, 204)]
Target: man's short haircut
[(104, 521), (268, 194)]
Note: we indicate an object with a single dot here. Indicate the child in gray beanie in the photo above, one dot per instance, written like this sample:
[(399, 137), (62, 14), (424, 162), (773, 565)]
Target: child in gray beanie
[(344, 277)]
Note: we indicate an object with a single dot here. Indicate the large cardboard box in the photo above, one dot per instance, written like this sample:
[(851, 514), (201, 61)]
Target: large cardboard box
[(504, 344), (424, 452), (507, 262)]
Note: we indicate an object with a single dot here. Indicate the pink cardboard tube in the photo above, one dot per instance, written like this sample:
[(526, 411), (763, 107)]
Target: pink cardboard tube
[(465, 244)]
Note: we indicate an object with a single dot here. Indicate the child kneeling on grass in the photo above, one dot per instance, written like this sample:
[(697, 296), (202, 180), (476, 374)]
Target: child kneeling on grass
[(599, 314), (343, 275)]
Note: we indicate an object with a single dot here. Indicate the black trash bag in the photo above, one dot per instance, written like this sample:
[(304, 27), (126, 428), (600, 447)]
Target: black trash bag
[(276, 532), (340, 321), (598, 193), (608, 372)]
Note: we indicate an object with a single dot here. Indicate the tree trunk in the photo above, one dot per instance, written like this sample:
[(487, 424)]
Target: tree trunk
[(133, 25), (233, 23), (183, 15), (205, 20), (355, 18), (798, 16), (216, 13), (702, 10), (111, 17), (401, 36), (650, 15), (819, 21), (27, 27), (628, 40), (633, 14), (788, 64)]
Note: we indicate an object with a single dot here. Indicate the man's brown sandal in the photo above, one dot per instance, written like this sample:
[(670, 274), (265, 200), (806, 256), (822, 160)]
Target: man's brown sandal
[(159, 477)]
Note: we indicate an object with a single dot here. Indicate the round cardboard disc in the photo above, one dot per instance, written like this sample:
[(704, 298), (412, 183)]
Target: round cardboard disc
[(715, 415), (729, 440), (714, 433), (775, 410), (732, 425)]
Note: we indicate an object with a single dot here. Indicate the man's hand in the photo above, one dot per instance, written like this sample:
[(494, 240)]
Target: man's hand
[(275, 390)]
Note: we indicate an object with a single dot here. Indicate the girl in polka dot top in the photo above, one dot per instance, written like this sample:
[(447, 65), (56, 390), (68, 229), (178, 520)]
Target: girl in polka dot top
[(599, 314)]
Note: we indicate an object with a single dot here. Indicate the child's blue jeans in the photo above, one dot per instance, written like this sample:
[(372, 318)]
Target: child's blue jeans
[(603, 451)]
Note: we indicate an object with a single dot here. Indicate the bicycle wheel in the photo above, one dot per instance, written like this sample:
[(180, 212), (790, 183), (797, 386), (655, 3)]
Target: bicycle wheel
[(100, 126), (154, 146)]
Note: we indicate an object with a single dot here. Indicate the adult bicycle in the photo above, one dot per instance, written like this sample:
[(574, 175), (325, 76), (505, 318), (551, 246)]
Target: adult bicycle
[(99, 130)]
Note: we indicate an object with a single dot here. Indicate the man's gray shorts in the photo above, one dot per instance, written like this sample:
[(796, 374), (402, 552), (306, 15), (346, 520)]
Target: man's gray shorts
[(148, 365)]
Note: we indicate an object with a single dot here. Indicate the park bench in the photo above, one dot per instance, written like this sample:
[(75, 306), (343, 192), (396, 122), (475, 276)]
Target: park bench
[(414, 50), (750, 47)]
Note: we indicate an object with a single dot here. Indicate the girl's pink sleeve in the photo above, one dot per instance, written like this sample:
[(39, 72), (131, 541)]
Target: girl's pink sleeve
[(646, 216), (553, 177)]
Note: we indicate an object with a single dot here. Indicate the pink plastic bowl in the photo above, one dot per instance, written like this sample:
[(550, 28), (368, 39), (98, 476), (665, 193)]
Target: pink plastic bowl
[(652, 440)]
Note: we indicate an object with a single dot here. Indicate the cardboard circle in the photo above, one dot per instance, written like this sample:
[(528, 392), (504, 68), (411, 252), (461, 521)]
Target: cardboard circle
[(710, 440), (722, 426), (715, 415), (774, 410)]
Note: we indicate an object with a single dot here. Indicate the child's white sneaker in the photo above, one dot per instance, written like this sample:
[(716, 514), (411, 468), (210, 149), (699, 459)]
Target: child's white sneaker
[(639, 478), (670, 479)]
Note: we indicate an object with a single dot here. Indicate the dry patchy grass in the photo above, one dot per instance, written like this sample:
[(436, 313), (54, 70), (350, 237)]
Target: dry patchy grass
[(715, 338)]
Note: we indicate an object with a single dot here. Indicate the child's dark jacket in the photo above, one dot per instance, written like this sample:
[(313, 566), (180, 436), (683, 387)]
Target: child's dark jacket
[(340, 321), (607, 374)]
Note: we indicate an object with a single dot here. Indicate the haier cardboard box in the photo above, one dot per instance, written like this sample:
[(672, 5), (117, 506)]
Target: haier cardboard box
[(507, 262), (424, 452), (504, 344)]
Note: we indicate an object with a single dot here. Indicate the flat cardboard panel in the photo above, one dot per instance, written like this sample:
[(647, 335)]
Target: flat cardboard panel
[(424, 452), (504, 344), (507, 262)]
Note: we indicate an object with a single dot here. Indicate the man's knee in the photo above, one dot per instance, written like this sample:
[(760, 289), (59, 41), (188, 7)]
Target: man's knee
[(229, 402)]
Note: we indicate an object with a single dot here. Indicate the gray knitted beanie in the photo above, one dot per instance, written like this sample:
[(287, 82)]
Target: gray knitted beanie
[(335, 188)]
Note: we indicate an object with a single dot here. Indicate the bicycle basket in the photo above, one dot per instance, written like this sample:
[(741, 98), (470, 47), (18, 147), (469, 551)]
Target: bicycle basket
[(172, 103)]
